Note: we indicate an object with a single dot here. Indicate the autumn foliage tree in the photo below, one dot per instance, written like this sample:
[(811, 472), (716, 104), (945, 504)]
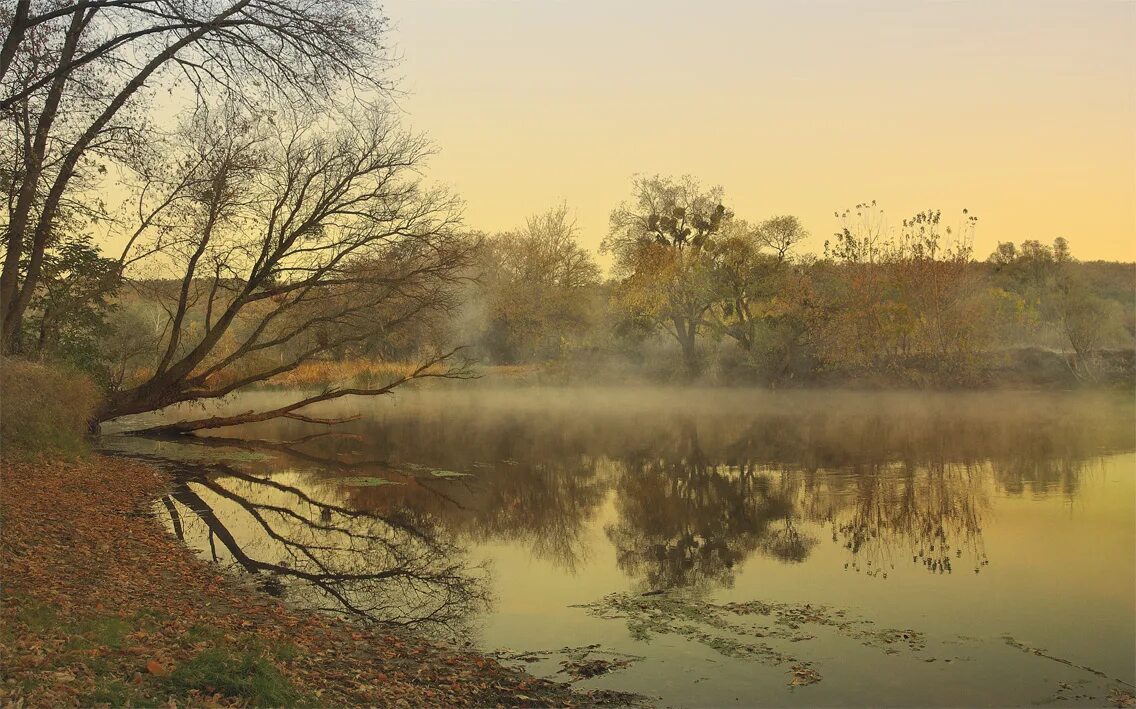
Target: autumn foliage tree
[(902, 296), (1053, 295), (662, 241), (761, 296), (536, 287)]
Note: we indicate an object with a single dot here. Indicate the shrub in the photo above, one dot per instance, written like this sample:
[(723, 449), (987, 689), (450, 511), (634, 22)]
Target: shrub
[(43, 407)]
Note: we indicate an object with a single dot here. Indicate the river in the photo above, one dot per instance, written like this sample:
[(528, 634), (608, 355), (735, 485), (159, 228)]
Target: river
[(701, 546)]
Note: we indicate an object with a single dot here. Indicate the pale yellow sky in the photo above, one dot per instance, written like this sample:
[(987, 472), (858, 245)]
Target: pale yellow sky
[(1022, 112)]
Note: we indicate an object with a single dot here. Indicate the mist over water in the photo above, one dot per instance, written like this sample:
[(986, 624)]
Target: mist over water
[(855, 430), (948, 536)]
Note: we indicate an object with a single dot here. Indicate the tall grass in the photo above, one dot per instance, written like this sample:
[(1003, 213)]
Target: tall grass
[(363, 372), (43, 407), (355, 371)]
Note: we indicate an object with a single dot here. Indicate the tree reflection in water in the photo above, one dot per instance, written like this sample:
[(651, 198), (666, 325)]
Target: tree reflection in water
[(543, 505), (934, 511), (685, 521), (685, 495), (392, 568)]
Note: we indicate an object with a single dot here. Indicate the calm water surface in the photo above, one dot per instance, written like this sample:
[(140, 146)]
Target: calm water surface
[(704, 547)]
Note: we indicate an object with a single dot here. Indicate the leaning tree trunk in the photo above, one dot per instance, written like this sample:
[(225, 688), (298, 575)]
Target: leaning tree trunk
[(426, 370)]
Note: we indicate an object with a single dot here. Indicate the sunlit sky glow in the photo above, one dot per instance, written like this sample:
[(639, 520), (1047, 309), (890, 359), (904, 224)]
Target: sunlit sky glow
[(1023, 112)]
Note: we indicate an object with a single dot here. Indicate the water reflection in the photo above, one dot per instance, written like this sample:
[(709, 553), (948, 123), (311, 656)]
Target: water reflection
[(311, 543), (687, 520), (932, 513), (685, 492)]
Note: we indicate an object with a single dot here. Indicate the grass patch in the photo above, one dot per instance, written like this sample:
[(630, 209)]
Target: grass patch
[(243, 674), (39, 617), (356, 372), (285, 651), (43, 408), (108, 631), (203, 633), (366, 482), (150, 618), (449, 474), (363, 372), (113, 692)]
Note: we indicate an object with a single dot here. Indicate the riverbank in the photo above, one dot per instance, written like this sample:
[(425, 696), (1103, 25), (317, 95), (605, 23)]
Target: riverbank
[(101, 606), (1014, 369)]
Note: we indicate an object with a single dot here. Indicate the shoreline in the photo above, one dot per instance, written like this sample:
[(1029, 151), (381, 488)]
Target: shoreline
[(102, 606), (997, 370)]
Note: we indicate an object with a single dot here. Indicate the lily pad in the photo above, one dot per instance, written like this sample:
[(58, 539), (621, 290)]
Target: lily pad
[(367, 482)]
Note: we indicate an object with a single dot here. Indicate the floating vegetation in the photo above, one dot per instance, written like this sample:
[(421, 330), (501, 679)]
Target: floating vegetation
[(586, 669), (367, 482), (748, 630), (579, 662), (803, 675), (448, 474), (1024, 647), (1068, 693)]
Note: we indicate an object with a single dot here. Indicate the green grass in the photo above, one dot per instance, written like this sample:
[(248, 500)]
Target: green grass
[(111, 688), (240, 673), (203, 633), (114, 692), (39, 617), (285, 651), (150, 619), (242, 669), (108, 631)]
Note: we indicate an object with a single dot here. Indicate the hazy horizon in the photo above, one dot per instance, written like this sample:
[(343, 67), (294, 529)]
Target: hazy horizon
[(317, 388), (1021, 113)]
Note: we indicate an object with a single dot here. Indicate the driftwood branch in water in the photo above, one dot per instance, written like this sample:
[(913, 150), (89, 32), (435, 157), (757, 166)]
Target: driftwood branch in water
[(425, 370), (323, 421)]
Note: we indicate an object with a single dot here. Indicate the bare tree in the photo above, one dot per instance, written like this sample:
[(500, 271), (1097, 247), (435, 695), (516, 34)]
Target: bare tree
[(76, 77), (780, 234), (275, 242)]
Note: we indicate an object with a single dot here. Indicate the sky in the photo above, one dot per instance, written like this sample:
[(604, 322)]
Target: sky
[(1024, 113)]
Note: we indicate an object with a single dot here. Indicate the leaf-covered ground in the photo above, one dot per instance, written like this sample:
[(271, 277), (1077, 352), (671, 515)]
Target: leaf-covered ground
[(100, 606)]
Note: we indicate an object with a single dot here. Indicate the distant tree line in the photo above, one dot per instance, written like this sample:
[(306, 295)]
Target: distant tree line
[(695, 293), (698, 292)]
